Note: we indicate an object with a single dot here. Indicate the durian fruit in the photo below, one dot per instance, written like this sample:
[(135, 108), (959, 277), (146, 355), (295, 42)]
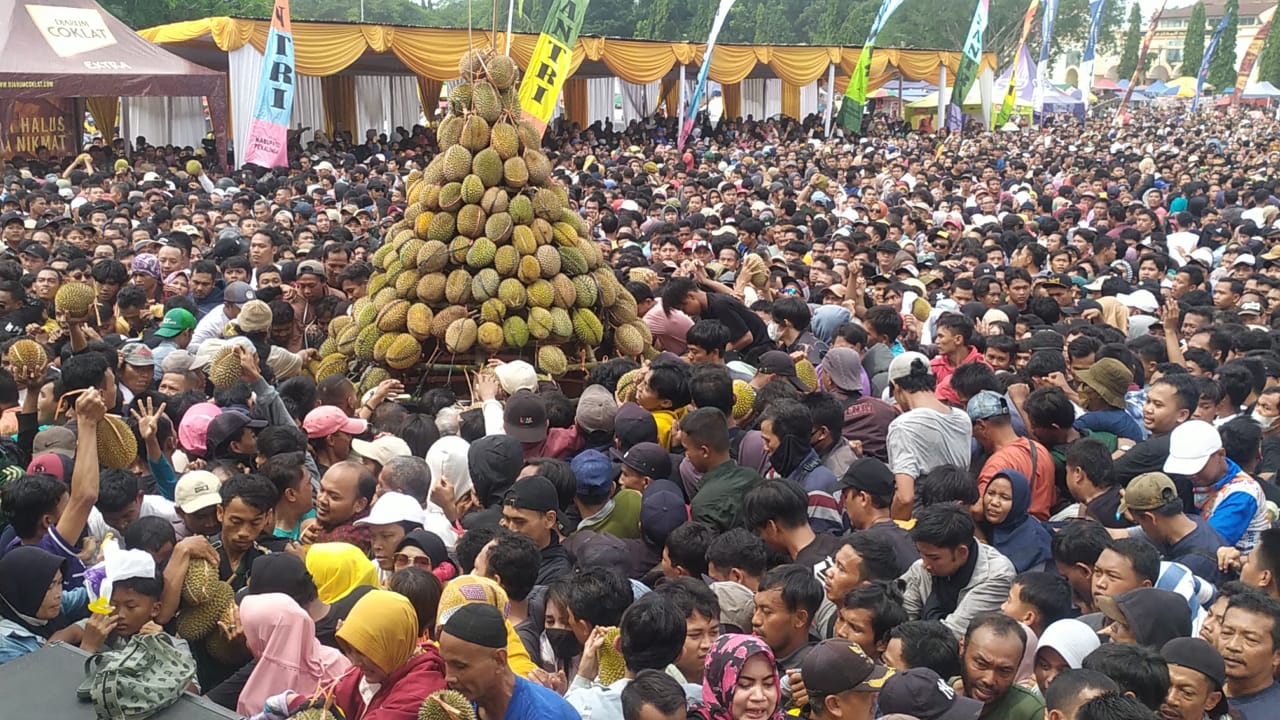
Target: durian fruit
[(197, 621), (446, 705), (807, 374), (628, 341), (744, 399), (404, 352), (627, 385), (28, 355), (222, 649), (612, 667), (76, 299), (551, 360), (117, 445), (197, 586), (224, 368)]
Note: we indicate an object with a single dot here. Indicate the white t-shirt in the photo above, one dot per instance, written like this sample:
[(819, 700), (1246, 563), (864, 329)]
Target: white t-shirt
[(152, 506)]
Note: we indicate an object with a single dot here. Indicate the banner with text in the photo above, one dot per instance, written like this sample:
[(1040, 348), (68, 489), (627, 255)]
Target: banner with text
[(1203, 74), (268, 135), (1042, 66), (552, 59), (1090, 49), (855, 95), (28, 125), (691, 113), (1251, 57), (1142, 54), (1011, 94), (968, 71)]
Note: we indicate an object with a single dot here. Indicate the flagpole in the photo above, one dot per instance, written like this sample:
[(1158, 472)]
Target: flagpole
[(831, 95), (511, 13)]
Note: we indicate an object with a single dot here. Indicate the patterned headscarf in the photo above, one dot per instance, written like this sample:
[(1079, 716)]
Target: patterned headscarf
[(720, 676)]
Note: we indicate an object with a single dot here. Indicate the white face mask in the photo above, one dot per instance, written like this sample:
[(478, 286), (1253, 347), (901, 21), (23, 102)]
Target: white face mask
[(1264, 421), (775, 331)]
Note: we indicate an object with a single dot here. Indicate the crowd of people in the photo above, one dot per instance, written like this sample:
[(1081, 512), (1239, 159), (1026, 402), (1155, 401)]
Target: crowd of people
[(933, 426)]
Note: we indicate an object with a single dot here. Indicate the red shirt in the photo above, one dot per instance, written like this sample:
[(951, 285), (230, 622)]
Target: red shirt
[(1017, 456)]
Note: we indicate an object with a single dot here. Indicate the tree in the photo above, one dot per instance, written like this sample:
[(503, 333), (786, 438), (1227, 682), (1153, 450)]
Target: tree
[(1222, 68), (1193, 41), (1132, 44), (1269, 60)]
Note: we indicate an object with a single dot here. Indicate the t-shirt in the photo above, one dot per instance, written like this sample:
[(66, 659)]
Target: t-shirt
[(904, 548), (1259, 705), (1105, 508), (739, 319), (868, 419), (920, 440), (52, 542), (1198, 550), (1017, 455), (531, 700), (1017, 704), (1114, 421), (824, 545)]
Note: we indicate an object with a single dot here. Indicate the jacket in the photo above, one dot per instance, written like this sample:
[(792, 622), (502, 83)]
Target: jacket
[(986, 591), (400, 697)]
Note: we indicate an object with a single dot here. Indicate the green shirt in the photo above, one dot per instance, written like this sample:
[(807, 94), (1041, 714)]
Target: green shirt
[(719, 499), (620, 519), (1018, 704)]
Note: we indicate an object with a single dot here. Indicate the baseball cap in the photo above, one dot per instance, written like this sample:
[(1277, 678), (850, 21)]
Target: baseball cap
[(648, 459), (328, 419), (634, 425), (55, 464), (196, 491), (255, 316), (1153, 614), (310, 267), (534, 492), (596, 409), (137, 355), (515, 376), (54, 439), (986, 405), (1190, 445), (737, 604), (525, 417), (921, 693), (1249, 307), (34, 249), (900, 367), (594, 473), (870, 475), (837, 666), (392, 508), (180, 361), (776, 362), (1198, 655), (228, 426), (381, 449), (238, 293), (1148, 491), (1056, 280), (176, 321), (194, 426)]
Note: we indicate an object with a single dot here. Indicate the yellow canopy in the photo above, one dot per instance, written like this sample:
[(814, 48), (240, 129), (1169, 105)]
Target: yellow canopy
[(324, 49), (1186, 86)]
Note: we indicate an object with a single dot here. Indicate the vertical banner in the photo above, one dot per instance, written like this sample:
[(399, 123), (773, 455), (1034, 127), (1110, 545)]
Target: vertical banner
[(1251, 57), (1142, 54), (968, 70), (29, 124), (1203, 74), (1011, 94), (855, 96), (552, 59), (267, 143), (700, 86), (1042, 66), (1090, 49)]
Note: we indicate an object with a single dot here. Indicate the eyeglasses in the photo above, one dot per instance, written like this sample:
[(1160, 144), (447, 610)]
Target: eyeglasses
[(419, 561)]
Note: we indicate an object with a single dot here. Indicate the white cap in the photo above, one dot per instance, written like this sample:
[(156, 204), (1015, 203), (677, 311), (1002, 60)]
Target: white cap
[(1139, 299), (517, 375), (392, 508), (1203, 255), (1190, 446), (196, 491), (381, 449), (901, 365), (1245, 259)]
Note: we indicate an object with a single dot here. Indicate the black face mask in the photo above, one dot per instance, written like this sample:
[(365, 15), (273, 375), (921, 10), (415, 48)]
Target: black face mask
[(790, 454), (563, 643)]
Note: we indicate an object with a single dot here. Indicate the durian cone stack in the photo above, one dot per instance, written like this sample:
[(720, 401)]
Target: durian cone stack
[(488, 258)]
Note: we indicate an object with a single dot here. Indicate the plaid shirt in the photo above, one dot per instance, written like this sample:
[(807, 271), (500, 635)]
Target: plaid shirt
[(347, 532)]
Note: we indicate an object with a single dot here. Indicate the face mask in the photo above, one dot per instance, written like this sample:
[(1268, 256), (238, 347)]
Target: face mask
[(1264, 421), (564, 643), (775, 331)]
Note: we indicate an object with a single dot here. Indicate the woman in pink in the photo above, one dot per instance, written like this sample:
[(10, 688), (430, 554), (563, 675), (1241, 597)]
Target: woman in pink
[(282, 637)]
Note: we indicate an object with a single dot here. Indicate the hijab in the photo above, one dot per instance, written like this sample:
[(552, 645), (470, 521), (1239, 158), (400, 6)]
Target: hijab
[(1026, 676), (494, 462), (447, 458), (282, 636), (467, 589), (1072, 639), (1021, 538), (1115, 314), (383, 626), (722, 667), (26, 572), (430, 544), (338, 568), (842, 369)]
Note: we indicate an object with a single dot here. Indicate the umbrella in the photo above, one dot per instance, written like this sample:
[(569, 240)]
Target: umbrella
[(1106, 84), (1184, 86)]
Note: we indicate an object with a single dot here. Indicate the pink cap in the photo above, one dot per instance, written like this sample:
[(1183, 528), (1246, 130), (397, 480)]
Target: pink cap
[(328, 419), (195, 425)]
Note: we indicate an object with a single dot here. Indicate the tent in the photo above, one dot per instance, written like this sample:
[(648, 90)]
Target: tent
[(1184, 86), (1156, 88), (1260, 91), (73, 49), (1106, 84)]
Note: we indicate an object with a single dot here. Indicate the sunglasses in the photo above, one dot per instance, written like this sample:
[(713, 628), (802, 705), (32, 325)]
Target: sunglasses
[(419, 561)]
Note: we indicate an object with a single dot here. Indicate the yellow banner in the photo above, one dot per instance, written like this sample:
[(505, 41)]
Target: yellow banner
[(552, 59)]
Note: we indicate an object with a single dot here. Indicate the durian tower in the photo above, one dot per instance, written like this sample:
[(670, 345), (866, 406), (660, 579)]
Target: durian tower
[(489, 258)]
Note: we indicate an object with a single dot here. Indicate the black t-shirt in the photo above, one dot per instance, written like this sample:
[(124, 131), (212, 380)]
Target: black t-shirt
[(327, 626), (740, 321), (824, 545), (904, 548)]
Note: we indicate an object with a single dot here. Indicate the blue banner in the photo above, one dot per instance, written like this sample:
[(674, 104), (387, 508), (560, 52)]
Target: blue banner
[(1042, 67), (1090, 49), (691, 113), (1203, 73)]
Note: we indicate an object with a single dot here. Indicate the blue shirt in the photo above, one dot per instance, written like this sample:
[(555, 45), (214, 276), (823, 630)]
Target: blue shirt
[(1113, 420), (531, 700), (1258, 706)]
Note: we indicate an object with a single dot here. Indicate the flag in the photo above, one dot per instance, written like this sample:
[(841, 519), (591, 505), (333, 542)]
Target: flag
[(1090, 48), (855, 96), (551, 61), (267, 143), (1142, 54), (968, 70), (1011, 94), (1203, 73), (694, 100), (1042, 68), (1250, 57)]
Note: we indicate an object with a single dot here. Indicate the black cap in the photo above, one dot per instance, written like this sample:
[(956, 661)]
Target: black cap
[(888, 246), (921, 693), (776, 362), (837, 666), (1198, 655), (227, 427), (34, 249), (525, 417), (11, 217), (869, 475), (477, 623), (534, 492), (648, 459), (984, 270), (634, 425), (1056, 280)]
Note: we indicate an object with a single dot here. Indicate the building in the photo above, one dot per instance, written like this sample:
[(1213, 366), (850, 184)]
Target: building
[(1172, 29)]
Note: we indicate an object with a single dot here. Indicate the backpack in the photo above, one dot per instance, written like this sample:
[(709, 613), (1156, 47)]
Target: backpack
[(148, 675)]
